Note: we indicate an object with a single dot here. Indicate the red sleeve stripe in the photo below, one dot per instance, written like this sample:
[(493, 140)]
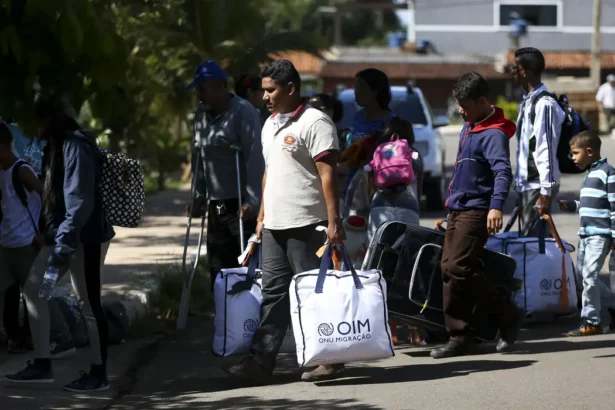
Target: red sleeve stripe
[(324, 154)]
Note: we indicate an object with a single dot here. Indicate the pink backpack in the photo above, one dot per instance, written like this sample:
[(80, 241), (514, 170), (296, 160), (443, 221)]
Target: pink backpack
[(392, 163)]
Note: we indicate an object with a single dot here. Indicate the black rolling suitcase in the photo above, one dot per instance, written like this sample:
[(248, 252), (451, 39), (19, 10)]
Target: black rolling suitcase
[(409, 257)]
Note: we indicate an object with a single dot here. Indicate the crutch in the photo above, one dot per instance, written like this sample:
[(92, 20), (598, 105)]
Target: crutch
[(239, 194), (182, 317)]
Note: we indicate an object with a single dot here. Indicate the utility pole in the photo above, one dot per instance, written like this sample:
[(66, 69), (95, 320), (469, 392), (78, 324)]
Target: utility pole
[(594, 72), (411, 34)]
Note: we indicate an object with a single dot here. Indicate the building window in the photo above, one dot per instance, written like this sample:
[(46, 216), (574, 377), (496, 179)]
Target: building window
[(536, 15)]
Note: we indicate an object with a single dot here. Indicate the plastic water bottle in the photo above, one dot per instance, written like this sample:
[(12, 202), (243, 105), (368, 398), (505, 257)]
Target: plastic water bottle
[(49, 283)]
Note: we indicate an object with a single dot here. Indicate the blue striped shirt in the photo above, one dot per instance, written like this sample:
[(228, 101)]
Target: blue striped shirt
[(596, 205)]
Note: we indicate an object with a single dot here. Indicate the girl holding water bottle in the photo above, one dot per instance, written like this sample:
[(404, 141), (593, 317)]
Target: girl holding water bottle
[(77, 237)]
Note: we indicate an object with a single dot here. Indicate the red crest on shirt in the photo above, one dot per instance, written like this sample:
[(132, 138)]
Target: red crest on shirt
[(289, 139)]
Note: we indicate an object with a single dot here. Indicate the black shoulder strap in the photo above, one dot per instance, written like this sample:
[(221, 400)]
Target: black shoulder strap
[(535, 100), (20, 190)]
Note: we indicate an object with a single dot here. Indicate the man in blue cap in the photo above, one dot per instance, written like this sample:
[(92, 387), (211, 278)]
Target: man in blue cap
[(224, 125)]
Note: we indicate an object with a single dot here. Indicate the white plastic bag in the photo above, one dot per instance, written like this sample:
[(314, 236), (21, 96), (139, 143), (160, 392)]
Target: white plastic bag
[(339, 317)]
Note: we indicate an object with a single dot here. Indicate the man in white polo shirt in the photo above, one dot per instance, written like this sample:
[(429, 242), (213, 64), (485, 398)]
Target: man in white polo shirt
[(300, 193), (606, 98)]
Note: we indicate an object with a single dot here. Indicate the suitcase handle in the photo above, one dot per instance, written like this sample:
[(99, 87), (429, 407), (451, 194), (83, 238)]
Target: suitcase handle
[(414, 271), (325, 263)]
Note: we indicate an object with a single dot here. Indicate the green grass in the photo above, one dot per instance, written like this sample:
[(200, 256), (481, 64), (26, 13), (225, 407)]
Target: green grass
[(151, 186), (170, 287), (166, 301)]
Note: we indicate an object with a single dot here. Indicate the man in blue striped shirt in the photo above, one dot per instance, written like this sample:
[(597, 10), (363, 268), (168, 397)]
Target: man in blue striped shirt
[(539, 125), (596, 207)]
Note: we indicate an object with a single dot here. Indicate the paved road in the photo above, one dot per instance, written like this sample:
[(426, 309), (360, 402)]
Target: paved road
[(547, 371)]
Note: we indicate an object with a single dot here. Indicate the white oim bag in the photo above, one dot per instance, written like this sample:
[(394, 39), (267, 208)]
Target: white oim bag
[(238, 298), (339, 317), (542, 266)]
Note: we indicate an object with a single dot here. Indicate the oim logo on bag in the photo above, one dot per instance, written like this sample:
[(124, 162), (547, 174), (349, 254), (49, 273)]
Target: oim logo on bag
[(551, 288), (353, 331), (250, 326)]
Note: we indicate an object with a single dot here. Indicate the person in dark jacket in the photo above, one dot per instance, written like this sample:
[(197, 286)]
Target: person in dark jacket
[(479, 187), (77, 237)]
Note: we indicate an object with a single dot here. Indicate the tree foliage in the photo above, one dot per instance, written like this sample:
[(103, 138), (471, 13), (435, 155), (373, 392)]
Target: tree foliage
[(57, 45), (124, 64)]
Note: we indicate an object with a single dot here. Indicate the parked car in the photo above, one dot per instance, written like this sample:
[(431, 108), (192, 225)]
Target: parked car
[(410, 104)]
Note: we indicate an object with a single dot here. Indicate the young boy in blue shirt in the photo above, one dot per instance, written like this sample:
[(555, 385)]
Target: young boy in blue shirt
[(596, 207)]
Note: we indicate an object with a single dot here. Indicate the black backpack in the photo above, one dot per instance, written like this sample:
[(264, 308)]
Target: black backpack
[(573, 124), (20, 191)]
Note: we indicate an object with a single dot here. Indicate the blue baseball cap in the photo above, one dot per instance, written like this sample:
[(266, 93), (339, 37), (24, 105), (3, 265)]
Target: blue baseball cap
[(209, 70)]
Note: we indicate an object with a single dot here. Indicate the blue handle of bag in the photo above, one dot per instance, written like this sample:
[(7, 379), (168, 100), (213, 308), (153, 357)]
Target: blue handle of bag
[(327, 258), (255, 261), (542, 228)]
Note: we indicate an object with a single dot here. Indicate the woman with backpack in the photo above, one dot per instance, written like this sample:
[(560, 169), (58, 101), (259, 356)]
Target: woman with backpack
[(373, 95), (77, 237), (397, 201)]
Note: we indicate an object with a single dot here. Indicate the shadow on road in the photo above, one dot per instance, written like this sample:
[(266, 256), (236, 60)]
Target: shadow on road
[(190, 400), (558, 346), (422, 372)]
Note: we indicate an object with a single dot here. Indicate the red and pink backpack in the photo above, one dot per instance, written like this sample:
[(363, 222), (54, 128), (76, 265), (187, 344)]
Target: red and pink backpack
[(392, 163)]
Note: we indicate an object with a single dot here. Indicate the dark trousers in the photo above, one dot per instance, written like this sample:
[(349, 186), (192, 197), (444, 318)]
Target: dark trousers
[(285, 254), (609, 116), (464, 285), (92, 260), (223, 247), (10, 315)]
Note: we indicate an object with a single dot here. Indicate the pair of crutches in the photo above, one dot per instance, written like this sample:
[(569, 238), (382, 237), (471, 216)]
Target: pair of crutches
[(184, 306)]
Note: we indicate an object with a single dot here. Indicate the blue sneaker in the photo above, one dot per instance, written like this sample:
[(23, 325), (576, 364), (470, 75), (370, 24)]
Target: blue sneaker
[(34, 373), (88, 383)]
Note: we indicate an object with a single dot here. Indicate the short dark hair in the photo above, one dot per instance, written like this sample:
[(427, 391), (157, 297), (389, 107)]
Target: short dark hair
[(587, 139), (328, 102), (378, 81), (282, 72), (247, 82), (403, 128), (531, 59), (6, 136), (471, 87)]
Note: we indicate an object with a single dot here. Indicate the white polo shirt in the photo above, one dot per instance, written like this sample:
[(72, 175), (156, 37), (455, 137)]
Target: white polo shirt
[(606, 96), (293, 195)]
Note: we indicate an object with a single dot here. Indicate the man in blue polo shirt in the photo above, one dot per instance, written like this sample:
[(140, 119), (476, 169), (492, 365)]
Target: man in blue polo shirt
[(225, 124)]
